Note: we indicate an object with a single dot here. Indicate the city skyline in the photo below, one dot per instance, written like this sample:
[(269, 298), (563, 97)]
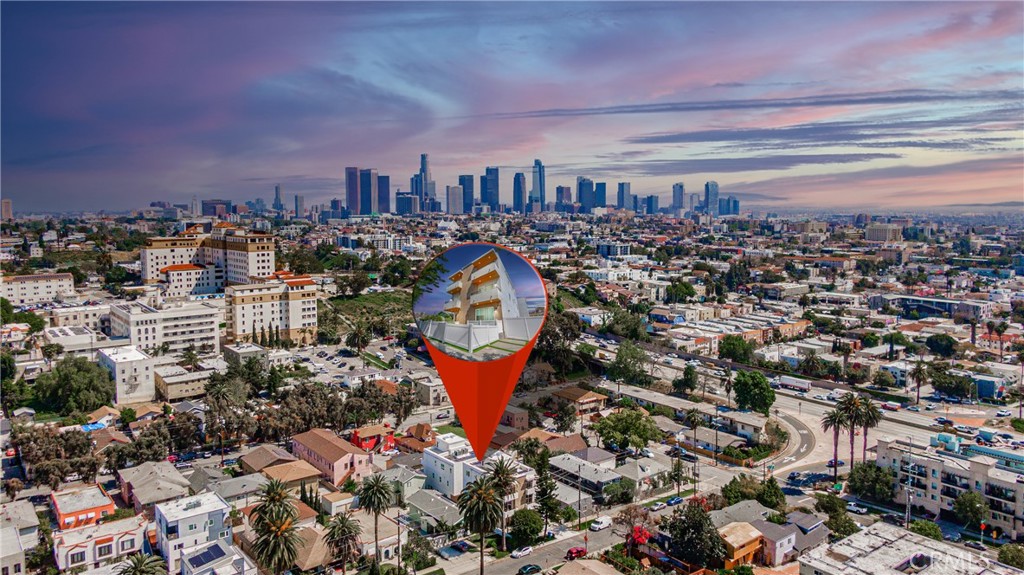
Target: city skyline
[(110, 106)]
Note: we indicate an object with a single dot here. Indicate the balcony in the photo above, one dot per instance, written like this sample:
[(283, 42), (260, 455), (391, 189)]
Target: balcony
[(454, 287), (915, 470), (481, 275), (918, 484), (486, 295), (453, 305), (954, 481), (1000, 493), (951, 493)]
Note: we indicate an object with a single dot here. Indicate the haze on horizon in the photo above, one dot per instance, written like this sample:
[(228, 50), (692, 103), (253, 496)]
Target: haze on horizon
[(865, 105)]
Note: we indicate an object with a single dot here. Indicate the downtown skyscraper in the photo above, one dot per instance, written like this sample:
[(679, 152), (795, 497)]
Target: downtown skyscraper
[(423, 186), (624, 199), (537, 194), (468, 195), (678, 196), (711, 198), (278, 204), (489, 191), (519, 193)]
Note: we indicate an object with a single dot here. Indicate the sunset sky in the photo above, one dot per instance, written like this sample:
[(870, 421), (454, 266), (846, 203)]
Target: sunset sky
[(861, 105)]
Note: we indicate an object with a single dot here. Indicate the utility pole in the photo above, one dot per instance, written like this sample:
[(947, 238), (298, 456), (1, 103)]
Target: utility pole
[(910, 465), (579, 497)]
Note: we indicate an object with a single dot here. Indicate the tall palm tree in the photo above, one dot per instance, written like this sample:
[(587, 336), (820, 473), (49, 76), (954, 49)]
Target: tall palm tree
[(375, 496), (481, 508), (870, 416), (728, 387), (503, 474), (342, 536), (527, 449), (834, 421), (1000, 329), (140, 564), (274, 497), (918, 373), (277, 541), (974, 330), (852, 407), (692, 419)]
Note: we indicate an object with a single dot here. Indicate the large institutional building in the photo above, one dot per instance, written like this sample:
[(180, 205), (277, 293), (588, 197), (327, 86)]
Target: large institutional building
[(195, 262), (285, 305), (39, 288)]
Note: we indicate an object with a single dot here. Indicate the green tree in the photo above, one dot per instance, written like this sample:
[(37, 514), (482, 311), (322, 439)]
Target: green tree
[(735, 348), (565, 417), (677, 474), (741, 488), (274, 497), (834, 420), (525, 525), (620, 492), (628, 427), (630, 364), (75, 384), (51, 351), (277, 540), (851, 406), (1012, 555), (941, 344), (829, 504), (503, 476), (343, 538), (918, 375), (688, 382), (770, 495), (841, 525), (481, 507), (127, 416), (694, 537), (870, 481), (142, 564), (375, 497), (926, 528), (971, 508), (753, 391), (870, 417)]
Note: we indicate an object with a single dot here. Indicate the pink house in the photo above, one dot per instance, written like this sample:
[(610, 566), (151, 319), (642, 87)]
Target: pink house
[(337, 459)]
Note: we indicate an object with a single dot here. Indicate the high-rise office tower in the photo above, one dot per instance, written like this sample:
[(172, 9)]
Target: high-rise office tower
[(6, 209), (624, 199), (585, 194), (352, 189), (384, 194), (278, 202), (711, 198), (600, 194), (406, 203), (454, 199), (537, 193), (729, 206), (422, 185), (519, 193), (195, 207), (563, 197), (216, 208), (368, 192), (694, 202), (489, 191), (651, 204), (678, 196), (300, 206), (468, 194)]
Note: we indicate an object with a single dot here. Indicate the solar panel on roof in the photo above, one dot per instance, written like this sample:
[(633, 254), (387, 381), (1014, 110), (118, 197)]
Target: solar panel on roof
[(212, 554)]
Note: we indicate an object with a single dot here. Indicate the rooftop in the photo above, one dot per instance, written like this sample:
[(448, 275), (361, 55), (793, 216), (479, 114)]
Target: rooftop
[(86, 497), (186, 507)]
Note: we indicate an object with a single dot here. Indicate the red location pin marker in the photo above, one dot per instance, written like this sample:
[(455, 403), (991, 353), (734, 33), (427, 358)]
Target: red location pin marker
[(479, 308)]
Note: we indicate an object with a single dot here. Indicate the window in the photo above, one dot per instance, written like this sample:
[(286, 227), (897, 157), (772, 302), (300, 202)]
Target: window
[(127, 545), (17, 567), (77, 557), (104, 550)]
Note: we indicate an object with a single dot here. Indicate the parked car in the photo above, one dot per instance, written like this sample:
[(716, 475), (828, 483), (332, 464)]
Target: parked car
[(529, 569), (658, 506), (952, 537), (976, 545), (602, 522), (443, 415), (835, 463), (672, 502), (1004, 413), (913, 408), (893, 519), (575, 553), (930, 407), (645, 452), (522, 552), (858, 509), (460, 546)]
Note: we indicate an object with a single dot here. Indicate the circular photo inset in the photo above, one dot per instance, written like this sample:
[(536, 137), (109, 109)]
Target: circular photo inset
[(479, 302)]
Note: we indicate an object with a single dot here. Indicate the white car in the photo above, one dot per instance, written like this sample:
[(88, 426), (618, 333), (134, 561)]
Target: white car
[(645, 452), (602, 522), (1004, 413), (389, 452), (522, 552), (854, 508)]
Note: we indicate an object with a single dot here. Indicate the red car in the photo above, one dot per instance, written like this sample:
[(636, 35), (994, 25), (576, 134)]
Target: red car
[(10, 452), (172, 458), (575, 553)]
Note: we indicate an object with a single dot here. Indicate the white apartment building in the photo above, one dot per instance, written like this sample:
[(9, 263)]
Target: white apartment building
[(450, 466), (94, 317), (188, 522), (286, 304), (228, 255), (37, 288), (132, 371), (178, 325), (91, 546), (938, 474)]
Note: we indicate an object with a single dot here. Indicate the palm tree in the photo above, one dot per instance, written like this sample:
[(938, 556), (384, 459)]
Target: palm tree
[(852, 407), (974, 330), (728, 387), (692, 419), (277, 541), (274, 497), (834, 421), (527, 449), (189, 357), (375, 496), (481, 508), (870, 416), (141, 564), (503, 474), (918, 373), (342, 535), (1000, 329)]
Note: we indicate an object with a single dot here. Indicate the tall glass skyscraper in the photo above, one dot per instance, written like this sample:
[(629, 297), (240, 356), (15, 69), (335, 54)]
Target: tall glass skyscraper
[(489, 191), (711, 198), (519, 193), (678, 196), (468, 193), (537, 193)]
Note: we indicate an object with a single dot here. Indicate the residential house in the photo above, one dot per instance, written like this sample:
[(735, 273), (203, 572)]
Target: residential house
[(746, 511), (21, 515), (778, 542), (375, 437), (811, 531), (189, 522), (427, 508), (646, 473), (742, 543), (417, 438), (597, 456), (336, 459), (295, 475), (389, 533), (585, 401), (93, 545), (12, 554), (405, 481), (264, 456), (149, 483), (106, 415), (240, 491), (103, 439), (335, 502), (575, 472), (81, 506), (515, 418)]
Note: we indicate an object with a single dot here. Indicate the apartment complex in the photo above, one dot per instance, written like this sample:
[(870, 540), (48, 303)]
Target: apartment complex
[(337, 460), (195, 262), (91, 546), (175, 326), (190, 522), (37, 288), (450, 466), (938, 474), (285, 305), (132, 372)]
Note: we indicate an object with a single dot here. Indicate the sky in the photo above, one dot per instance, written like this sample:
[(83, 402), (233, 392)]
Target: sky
[(853, 106), (521, 273)]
